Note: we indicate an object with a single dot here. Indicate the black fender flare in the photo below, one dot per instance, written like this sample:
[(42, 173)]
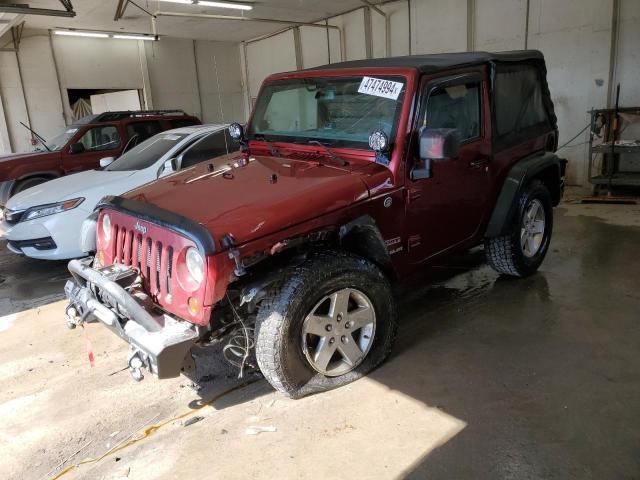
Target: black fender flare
[(371, 245), (519, 175)]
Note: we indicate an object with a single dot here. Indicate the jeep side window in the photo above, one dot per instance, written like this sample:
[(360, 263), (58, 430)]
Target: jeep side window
[(100, 138), (455, 106), (211, 146)]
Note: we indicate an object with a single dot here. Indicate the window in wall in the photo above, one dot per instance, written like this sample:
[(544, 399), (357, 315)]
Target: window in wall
[(211, 146), (100, 138), (456, 106)]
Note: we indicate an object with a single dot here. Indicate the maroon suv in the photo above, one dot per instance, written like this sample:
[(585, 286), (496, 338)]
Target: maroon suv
[(83, 144), (352, 177)]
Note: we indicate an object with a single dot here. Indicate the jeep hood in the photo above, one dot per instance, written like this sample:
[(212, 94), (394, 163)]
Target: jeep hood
[(83, 184), (263, 196)]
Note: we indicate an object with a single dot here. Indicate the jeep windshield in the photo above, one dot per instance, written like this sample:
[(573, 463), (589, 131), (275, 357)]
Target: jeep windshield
[(147, 153), (337, 111)]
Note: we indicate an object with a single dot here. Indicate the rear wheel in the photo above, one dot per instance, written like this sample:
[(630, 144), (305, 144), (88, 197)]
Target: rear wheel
[(521, 251), (328, 323)]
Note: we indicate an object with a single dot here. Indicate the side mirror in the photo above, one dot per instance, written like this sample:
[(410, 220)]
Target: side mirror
[(76, 148), (106, 161), (439, 143), (435, 144), (167, 168)]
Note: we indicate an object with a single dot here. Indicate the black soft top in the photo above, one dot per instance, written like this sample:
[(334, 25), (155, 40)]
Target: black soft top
[(441, 61)]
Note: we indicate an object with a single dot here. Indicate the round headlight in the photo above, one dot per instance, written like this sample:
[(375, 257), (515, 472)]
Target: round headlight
[(236, 131), (195, 264), (106, 226), (378, 141)]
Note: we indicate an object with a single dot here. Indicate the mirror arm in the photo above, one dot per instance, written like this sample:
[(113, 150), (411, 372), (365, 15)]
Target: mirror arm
[(420, 173)]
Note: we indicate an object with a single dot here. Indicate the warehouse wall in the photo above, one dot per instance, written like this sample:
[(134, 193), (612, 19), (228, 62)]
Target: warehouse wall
[(172, 73), (574, 35)]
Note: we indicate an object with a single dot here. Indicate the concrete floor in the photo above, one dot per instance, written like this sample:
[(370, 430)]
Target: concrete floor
[(491, 378)]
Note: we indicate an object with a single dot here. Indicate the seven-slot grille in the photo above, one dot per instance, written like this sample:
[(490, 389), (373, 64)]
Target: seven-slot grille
[(153, 259)]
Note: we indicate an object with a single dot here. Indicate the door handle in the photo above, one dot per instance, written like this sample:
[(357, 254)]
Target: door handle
[(482, 162)]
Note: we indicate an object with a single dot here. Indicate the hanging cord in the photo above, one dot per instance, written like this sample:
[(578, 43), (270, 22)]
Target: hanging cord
[(573, 138), (240, 344), (215, 68)]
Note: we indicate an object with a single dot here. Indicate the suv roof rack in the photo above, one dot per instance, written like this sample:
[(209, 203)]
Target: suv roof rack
[(119, 115)]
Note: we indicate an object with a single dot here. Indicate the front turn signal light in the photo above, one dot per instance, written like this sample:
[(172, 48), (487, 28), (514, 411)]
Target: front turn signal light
[(194, 306)]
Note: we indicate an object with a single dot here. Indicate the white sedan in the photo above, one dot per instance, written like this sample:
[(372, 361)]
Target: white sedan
[(46, 221)]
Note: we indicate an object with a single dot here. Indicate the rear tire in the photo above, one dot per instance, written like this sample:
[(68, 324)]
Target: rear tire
[(332, 303), (521, 251)]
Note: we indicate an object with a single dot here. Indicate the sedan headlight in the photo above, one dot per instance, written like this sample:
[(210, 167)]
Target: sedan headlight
[(195, 265), (51, 209)]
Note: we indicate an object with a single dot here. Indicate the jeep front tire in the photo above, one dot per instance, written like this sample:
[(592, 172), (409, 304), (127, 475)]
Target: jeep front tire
[(330, 321), (521, 251)]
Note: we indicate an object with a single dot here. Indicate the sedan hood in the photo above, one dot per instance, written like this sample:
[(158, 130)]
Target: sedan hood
[(261, 196), (68, 187)]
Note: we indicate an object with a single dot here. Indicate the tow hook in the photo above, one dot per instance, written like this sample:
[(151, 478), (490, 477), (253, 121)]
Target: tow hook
[(136, 364), (73, 319)]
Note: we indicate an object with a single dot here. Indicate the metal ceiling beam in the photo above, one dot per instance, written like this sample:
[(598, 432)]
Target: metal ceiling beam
[(24, 9), (120, 8)]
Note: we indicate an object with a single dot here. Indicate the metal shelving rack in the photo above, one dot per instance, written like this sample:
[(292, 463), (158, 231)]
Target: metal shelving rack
[(612, 171)]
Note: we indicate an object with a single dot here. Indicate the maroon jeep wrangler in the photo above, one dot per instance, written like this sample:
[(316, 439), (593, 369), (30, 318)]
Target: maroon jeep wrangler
[(82, 145), (352, 177)]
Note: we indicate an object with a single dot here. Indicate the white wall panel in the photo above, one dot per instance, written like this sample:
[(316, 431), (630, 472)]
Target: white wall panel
[(41, 85), (15, 108), (220, 82), (172, 74), (628, 58), (500, 25), (98, 63), (314, 46), (438, 26), (574, 36), (352, 25), (271, 55)]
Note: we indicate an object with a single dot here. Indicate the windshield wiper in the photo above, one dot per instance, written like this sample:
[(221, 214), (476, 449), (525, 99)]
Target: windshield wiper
[(42, 141), (330, 152), (272, 149)]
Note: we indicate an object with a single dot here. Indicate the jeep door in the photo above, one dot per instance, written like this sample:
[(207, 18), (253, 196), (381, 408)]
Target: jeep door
[(446, 209), (96, 142)]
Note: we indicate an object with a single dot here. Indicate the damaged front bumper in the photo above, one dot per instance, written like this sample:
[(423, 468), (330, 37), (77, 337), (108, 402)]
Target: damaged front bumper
[(158, 341)]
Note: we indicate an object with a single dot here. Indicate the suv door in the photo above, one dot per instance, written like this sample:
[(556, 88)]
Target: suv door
[(97, 142), (446, 209)]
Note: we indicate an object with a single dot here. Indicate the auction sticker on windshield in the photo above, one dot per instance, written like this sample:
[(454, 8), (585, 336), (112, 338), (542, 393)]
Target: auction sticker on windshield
[(380, 87)]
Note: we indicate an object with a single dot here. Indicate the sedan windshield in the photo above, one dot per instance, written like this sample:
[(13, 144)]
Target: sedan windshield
[(61, 140), (335, 111), (147, 153)]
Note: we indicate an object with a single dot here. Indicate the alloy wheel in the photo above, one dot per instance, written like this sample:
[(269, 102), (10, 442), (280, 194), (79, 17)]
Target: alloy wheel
[(338, 333)]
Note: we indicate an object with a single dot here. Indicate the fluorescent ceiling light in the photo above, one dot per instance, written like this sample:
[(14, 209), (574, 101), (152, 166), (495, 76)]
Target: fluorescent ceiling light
[(72, 33), (206, 3), (133, 37), (235, 6)]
